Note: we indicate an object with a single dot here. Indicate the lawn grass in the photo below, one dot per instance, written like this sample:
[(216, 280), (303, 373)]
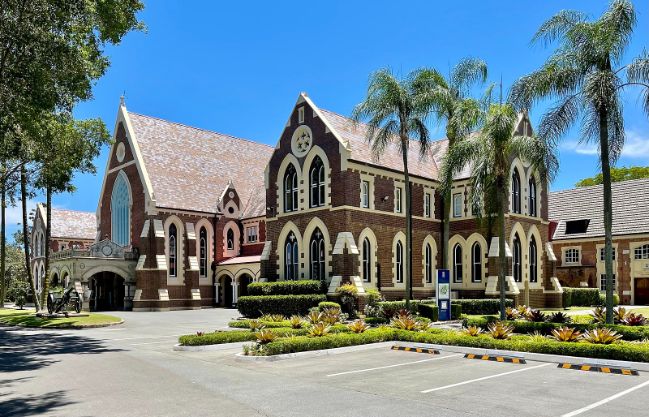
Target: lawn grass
[(27, 318), (641, 310)]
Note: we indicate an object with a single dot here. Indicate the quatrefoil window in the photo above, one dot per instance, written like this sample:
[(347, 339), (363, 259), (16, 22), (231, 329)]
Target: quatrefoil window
[(302, 141)]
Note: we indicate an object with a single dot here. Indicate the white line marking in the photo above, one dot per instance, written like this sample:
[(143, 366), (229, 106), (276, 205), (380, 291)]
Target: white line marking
[(605, 400), (484, 378), (393, 366), (143, 337)]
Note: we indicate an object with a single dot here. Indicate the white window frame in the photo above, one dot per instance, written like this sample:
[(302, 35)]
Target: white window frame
[(398, 200), (570, 260), (601, 253), (365, 194), (427, 205), (641, 252), (398, 260), (602, 282), (250, 228), (457, 205), (428, 263), (300, 115), (458, 263)]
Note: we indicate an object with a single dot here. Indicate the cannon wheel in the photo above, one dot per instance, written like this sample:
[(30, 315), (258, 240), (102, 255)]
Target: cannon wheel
[(77, 305), (50, 304)]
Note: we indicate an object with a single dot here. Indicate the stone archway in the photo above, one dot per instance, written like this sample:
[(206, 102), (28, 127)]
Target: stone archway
[(226, 297), (244, 280), (107, 291)]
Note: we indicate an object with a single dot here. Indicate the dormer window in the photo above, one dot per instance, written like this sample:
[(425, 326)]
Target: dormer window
[(574, 227), (251, 234)]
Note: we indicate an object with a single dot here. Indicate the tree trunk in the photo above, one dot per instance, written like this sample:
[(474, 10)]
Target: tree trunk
[(3, 241), (502, 259), (23, 197), (608, 212), (408, 257), (48, 236)]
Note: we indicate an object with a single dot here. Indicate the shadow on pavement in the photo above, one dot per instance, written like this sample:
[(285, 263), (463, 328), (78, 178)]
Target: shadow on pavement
[(22, 351), (33, 405)]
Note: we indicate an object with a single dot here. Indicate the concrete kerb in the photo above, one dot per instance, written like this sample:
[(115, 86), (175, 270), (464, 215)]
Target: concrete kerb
[(313, 353), (209, 348)]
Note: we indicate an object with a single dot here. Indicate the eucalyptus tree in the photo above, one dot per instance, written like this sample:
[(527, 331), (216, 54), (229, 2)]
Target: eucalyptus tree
[(65, 147), (396, 111), (489, 153), (584, 76), (450, 102)]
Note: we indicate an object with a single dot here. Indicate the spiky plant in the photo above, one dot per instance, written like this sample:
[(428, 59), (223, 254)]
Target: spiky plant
[(619, 314), (395, 111), (331, 315), (565, 334), (255, 325), (319, 329), (536, 316), (585, 77), (601, 336), (358, 326), (296, 322), (633, 319), (523, 310), (511, 313), (489, 153), (314, 317), (560, 317), (472, 331), (500, 330), (599, 315), (265, 336), (272, 318), (405, 323)]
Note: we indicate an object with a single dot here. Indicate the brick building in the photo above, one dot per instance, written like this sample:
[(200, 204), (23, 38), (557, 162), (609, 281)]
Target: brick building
[(337, 214), (578, 238)]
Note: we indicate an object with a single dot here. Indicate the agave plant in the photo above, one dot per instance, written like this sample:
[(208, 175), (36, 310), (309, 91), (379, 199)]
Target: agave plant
[(537, 336), (601, 336), (511, 313), (331, 315), (255, 325), (358, 326), (472, 331), (536, 316), (265, 336), (296, 322), (314, 317), (523, 310), (273, 317), (633, 319), (565, 334), (319, 329), (619, 314), (500, 330), (599, 315), (406, 322), (560, 317)]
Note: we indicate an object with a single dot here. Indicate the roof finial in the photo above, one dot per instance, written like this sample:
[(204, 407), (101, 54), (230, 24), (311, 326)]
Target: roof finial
[(121, 99)]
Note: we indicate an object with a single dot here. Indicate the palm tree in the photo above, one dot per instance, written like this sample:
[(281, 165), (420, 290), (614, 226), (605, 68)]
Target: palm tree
[(583, 75), (490, 152), (450, 102), (396, 111)]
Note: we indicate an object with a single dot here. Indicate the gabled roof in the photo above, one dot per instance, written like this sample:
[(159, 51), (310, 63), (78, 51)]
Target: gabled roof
[(70, 224), (630, 209), (190, 167)]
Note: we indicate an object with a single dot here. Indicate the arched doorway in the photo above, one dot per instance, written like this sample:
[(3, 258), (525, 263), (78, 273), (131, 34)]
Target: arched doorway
[(107, 291), (225, 291), (244, 280), (54, 281)]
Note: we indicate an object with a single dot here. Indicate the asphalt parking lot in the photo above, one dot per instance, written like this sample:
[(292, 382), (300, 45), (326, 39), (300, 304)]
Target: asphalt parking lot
[(131, 370)]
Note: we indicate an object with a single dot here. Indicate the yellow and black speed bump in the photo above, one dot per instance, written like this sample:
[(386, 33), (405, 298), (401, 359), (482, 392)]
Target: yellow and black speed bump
[(416, 349), (597, 368), (495, 358)]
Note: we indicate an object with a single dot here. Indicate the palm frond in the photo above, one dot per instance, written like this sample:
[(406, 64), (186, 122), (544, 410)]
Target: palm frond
[(419, 131), (617, 25), (558, 25), (456, 158), (557, 121), (638, 72), (468, 72), (539, 153)]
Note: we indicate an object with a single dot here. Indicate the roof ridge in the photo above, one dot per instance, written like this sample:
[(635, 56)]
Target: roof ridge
[(73, 210), (588, 187), (201, 129)]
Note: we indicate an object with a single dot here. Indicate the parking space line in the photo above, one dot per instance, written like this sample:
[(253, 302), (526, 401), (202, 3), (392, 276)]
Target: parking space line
[(605, 400), (484, 378), (358, 371)]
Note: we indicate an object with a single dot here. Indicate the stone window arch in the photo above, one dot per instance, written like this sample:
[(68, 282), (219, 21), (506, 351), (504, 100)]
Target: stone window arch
[(317, 255), (516, 192), (317, 183), (291, 190), (120, 210)]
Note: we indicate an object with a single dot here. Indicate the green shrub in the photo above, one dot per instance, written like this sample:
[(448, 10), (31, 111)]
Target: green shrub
[(602, 299), (328, 304), (245, 324), (217, 338), (255, 305), (430, 311), (373, 297), (585, 297), (285, 288), (390, 308), (629, 333), (376, 320), (456, 311), (482, 305)]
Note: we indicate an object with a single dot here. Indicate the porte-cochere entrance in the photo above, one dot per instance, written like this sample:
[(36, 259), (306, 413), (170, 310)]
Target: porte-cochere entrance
[(106, 291)]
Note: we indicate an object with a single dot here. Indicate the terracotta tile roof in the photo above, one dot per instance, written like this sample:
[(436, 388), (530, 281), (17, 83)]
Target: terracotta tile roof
[(630, 209), (72, 224), (355, 134), (189, 167)]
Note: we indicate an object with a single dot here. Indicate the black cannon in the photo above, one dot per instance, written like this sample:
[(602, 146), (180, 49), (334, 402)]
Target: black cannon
[(70, 299)]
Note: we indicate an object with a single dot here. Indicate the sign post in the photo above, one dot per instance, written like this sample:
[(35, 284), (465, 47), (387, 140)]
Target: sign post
[(444, 294)]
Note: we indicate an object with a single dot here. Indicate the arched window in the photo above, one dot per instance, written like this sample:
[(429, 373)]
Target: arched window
[(290, 189), (173, 250), (516, 192), (457, 263), (317, 183), (399, 262), (517, 264), (317, 247), (533, 261), (41, 277), (532, 197), (230, 239), (367, 260), (291, 258), (428, 263), (42, 243), (476, 262), (120, 212), (202, 247)]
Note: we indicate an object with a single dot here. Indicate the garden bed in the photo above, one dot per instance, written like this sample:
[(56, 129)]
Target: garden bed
[(27, 318)]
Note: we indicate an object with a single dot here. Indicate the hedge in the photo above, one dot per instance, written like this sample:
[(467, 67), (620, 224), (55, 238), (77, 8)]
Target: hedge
[(430, 311), (245, 324), (256, 305), (285, 287), (482, 305), (618, 351), (629, 333), (391, 308), (586, 297), (328, 304), (217, 338)]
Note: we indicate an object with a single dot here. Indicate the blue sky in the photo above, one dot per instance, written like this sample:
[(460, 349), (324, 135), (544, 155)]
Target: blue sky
[(237, 67)]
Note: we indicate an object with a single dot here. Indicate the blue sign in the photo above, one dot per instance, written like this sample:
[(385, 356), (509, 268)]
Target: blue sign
[(444, 294)]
